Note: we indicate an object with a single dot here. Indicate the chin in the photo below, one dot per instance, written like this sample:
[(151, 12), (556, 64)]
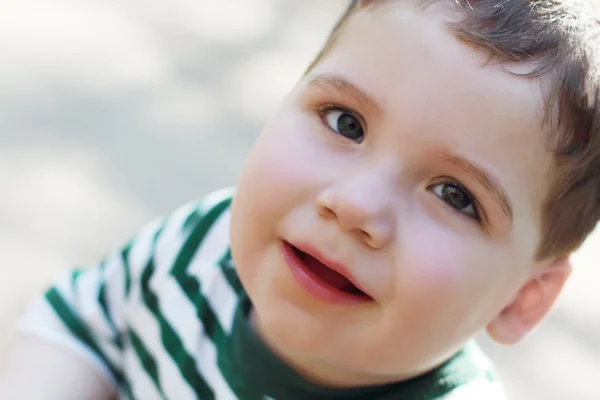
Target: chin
[(315, 355), (289, 327)]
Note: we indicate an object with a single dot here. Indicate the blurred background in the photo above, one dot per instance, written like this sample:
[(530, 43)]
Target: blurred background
[(114, 112)]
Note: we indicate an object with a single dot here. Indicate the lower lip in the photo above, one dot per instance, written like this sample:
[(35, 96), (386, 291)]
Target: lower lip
[(312, 284)]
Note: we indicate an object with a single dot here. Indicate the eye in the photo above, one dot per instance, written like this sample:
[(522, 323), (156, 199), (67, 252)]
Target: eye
[(458, 198), (344, 123)]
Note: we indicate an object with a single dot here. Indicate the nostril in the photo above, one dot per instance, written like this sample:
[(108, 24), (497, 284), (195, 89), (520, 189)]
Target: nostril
[(363, 235), (326, 212), (364, 220)]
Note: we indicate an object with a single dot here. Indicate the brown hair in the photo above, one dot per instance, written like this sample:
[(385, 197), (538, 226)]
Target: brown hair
[(561, 39)]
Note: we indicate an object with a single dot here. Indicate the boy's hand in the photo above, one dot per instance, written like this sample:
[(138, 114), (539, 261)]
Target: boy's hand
[(33, 369)]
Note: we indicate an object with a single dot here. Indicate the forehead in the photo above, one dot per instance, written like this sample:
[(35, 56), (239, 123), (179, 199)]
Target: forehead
[(397, 44), (436, 90)]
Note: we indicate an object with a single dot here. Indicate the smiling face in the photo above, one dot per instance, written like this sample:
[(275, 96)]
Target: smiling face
[(413, 170)]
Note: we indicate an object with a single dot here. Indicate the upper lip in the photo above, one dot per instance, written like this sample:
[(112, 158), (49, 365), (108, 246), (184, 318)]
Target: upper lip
[(334, 265)]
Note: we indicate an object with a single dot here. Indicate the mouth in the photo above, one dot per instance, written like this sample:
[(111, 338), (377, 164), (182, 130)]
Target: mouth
[(323, 279)]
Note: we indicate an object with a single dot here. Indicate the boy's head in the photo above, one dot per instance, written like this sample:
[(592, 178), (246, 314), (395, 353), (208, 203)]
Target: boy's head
[(444, 159), (557, 42)]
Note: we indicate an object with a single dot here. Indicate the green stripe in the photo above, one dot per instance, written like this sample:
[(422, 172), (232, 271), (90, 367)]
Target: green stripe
[(230, 274), (75, 274), (491, 376), (193, 219), (171, 341), (191, 287), (104, 306), (190, 284), (127, 387), (116, 340), (196, 238), (126, 269), (146, 359), (197, 216), (77, 328)]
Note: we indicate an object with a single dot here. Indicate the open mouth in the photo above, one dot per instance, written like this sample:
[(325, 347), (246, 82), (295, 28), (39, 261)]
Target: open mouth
[(324, 275)]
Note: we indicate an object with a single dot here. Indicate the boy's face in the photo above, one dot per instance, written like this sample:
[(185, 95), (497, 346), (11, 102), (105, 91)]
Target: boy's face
[(414, 167)]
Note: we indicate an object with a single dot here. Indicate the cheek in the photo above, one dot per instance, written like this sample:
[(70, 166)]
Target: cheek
[(449, 279), (288, 160), (435, 266), (279, 175)]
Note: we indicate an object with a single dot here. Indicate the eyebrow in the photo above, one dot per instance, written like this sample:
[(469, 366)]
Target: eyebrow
[(341, 85), (338, 84), (499, 196)]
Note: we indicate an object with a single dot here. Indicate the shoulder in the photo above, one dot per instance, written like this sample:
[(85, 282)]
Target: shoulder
[(206, 211), (196, 225), (138, 302), (201, 213)]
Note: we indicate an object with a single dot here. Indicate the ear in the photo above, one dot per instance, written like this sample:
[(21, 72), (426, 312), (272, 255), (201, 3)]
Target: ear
[(531, 304)]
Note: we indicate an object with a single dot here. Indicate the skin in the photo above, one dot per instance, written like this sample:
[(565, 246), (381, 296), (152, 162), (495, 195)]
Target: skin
[(437, 273), (33, 369)]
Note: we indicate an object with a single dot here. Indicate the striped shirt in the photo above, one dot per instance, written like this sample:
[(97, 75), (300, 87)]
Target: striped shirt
[(165, 318)]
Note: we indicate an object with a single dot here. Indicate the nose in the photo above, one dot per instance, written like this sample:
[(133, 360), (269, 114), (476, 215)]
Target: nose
[(362, 206)]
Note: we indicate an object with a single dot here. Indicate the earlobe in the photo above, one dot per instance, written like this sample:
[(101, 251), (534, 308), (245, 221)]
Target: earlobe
[(531, 304)]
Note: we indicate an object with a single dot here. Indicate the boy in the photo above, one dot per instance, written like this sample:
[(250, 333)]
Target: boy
[(428, 177)]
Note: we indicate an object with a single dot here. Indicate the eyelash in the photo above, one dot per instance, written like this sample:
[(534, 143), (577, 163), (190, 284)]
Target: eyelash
[(477, 217), (324, 109), (475, 204)]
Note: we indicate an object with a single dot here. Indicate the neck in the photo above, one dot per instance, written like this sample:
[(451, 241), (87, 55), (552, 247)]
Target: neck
[(320, 373)]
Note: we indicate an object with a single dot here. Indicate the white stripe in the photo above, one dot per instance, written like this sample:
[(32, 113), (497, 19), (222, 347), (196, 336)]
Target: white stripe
[(181, 313), (141, 248), (167, 248), (172, 238), (174, 304), (477, 390), (215, 288), (143, 245), (84, 303), (220, 295), (207, 362), (141, 385), (114, 290), (216, 197), (84, 300), (479, 358), (146, 327), (122, 393), (140, 252), (216, 241)]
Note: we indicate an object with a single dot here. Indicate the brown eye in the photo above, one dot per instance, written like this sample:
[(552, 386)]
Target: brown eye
[(457, 198), (345, 124)]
